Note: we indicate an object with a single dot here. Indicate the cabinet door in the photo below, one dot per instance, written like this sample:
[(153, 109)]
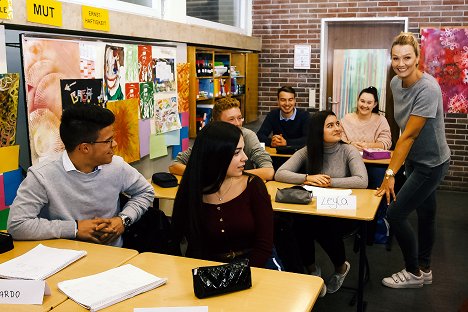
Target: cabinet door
[(251, 92)]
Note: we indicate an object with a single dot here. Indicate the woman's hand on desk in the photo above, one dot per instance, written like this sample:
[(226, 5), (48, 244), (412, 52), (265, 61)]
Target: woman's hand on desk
[(387, 188), (321, 180)]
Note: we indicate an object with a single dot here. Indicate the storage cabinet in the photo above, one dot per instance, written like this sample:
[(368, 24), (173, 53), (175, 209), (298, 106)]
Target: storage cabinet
[(218, 73)]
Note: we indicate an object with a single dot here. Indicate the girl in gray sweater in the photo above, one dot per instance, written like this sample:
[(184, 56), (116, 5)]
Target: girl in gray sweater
[(324, 162)]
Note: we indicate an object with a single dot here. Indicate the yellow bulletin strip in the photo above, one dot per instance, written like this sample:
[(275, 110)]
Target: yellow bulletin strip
[(47, 12), (94, 18), (6, 9), (9, 158)]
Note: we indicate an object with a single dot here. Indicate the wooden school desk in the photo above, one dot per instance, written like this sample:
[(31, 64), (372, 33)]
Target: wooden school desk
[(366, 207), (271, 290), (165, 196), (99, 258)]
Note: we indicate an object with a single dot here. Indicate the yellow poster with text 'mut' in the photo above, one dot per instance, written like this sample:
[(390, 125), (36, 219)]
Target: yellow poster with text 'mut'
[(47, 12)]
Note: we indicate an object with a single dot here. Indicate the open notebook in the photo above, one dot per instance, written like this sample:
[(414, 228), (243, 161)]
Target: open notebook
[(39, 263), (104, 289)]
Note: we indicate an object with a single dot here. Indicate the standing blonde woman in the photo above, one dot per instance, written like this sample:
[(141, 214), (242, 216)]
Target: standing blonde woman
[(366, 128), (423, 149)]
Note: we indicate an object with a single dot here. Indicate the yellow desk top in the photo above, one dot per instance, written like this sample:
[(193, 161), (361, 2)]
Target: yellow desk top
[(271, 290), (272, 152), (98, 259), (366, 204), (165, 192)]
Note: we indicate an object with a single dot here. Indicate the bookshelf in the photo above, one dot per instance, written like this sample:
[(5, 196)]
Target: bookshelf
[(216, 73)]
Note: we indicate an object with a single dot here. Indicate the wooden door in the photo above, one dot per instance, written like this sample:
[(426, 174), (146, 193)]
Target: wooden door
[(362, 35)]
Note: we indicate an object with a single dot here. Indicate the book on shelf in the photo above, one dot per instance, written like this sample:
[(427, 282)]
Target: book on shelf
[(204, 112), (98, 291), (39, 263)]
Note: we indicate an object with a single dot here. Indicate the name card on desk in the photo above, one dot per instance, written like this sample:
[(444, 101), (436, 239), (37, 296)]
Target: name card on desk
[(23, 291), (336, 202)]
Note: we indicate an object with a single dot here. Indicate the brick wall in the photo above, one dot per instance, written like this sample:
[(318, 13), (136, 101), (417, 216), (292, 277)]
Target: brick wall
[(283, 23)]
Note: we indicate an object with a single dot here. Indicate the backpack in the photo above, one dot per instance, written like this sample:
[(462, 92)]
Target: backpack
[(151, 233)]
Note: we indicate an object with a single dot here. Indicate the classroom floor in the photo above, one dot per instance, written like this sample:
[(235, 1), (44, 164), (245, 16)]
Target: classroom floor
[(450, 274)]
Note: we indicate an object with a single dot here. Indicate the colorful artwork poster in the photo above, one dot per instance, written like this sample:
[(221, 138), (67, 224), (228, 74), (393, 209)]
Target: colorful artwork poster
[(146, 100), (82, 91), (164, 75), (9, 86), (145, 70), (114, 79), (126, 129), (132, 90), (354, 70), (45, 63), (88, 57), (166, 115), (183, 86), (444, 55), (131, 62)]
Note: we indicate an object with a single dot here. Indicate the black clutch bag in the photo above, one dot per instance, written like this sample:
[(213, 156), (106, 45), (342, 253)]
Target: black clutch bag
[(293, 195), (221, 279), (164, 179)]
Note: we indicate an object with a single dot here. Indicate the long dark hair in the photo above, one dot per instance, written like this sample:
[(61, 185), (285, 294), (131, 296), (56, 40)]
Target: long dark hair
[(371, 90), (315, 141), (206, 170)]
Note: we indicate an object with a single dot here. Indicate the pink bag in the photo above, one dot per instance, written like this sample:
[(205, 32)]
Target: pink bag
[(375, 153)]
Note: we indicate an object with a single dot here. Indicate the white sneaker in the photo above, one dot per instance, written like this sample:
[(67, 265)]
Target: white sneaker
[(404, 279), (427, 277), (336, 280)]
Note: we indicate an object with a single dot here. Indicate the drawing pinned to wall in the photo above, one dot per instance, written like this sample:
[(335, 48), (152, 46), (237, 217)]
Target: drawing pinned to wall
[(132, 90), (444, 55), (81, 91), (183, 86), (9, 86), (114, 59), (166, 115), (88, 56), (354, 70), (164, 76), (45, 63), (131, 62), (146, 100), (144, 63), (126, 129)]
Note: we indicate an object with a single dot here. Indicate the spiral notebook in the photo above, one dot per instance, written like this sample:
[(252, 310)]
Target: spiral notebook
[(98, 291), (39, 263)]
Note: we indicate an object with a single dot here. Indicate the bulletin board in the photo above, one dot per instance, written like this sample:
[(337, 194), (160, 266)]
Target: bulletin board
[(137, 81)]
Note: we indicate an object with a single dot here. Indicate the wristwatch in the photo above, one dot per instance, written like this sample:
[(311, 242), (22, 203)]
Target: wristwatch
[(126, 220), (389, 173)]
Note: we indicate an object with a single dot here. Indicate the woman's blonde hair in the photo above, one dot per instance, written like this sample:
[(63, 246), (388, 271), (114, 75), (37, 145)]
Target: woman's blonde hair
[(407, 38)]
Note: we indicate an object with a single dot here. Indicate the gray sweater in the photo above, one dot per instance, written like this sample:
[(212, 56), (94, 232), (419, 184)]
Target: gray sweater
[(342, 162), (50, 198)]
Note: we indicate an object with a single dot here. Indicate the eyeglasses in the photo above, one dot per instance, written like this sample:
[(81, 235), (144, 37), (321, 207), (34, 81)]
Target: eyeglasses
[(106, 141)]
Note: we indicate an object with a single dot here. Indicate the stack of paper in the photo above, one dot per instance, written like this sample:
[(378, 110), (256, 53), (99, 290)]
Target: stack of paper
[(104, 289), (39, 263), (320, 191)]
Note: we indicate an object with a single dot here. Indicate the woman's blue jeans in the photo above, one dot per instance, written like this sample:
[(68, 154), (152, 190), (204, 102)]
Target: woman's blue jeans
[(418, 194)]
